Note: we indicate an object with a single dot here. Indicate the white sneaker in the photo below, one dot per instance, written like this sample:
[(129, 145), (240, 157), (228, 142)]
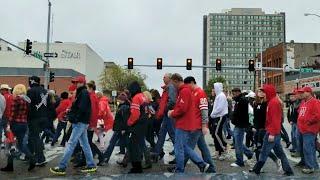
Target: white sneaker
[(234, 165), (279, 165), (222, 157)]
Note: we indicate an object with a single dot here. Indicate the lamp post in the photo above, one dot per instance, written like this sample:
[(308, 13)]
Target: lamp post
[(311, 14)]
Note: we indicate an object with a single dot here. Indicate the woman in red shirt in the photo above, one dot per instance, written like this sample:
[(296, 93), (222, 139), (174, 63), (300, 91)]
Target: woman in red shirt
[(18, 124)]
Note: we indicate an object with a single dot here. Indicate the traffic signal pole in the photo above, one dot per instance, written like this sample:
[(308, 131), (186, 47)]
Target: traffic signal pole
[(47, 64)]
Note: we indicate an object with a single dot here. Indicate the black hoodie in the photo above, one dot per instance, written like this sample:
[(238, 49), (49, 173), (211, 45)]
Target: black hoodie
[(40, 102), (240, 114), (81, 108), (260, 112)]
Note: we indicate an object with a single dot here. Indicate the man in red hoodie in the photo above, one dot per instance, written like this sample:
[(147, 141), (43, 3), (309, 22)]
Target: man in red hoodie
[(5, 91), (186, 125), (272, 139), (308, 126)]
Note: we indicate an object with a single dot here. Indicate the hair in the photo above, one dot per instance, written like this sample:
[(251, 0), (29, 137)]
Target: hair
[(176, 77), (92, 85), (148, 95), (189, 79), (169, 75), (155, 94), (19, 89), (64, 95)]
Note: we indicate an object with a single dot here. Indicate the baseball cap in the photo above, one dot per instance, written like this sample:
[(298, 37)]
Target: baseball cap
[(79, 79), (307, 89), (5, 86), (300, 90), (251, 95), (72, 87)]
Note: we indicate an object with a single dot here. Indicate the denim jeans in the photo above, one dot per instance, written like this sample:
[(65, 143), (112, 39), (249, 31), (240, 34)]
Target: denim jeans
[(205, 152), (113, 141), (294, 136), (240, 148), (61, 126), (300, 145), (166, 127), (184, 140), (309, 150), (19, 130), (79, 133), (226, 127), (278, 150)]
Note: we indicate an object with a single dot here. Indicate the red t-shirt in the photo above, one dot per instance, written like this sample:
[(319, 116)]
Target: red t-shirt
[(200, 101)]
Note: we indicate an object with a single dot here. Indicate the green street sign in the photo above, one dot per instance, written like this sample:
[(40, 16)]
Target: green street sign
[(306, 70), (38, 55)]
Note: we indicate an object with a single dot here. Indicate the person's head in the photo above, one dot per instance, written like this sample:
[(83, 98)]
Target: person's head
[(218, 88), (236, 92), (64, 95), (91, 86), (251, 96), (307, 93), (213, 93), (34, 81), (79, 81), (155, 95), (122, 98), (270, 91), (72, 90), (190, 81), (5, 88), (167, 78), (99, 94), (19, 89), (134, 88), (177, 80), (148, 95)]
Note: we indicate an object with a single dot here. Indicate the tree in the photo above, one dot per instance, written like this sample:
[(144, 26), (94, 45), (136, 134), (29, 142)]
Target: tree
[(117, 78), (209, 87)]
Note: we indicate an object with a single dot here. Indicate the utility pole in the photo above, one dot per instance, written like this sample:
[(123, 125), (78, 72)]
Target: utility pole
[(47, 64), (261, 75)]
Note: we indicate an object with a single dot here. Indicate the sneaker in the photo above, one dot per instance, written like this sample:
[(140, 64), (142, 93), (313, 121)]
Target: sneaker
[(204, 168), (211, 169), (41, 164), (58, 171), (89, 169), (279, 165), (222, 157), (235, 165), (307, 171)]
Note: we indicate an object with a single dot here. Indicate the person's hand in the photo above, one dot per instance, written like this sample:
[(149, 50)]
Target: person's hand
[(205, 130), (169, 113), (254, 130), (271, 138), (122, 132)]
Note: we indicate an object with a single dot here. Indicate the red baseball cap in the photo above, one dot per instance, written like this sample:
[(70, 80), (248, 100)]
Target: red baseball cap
[(72, 87), (307, 89), (79, 79), (300, 90)]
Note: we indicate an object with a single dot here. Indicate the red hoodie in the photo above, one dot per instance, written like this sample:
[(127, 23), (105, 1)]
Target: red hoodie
[(105, 113), (163, 103), (137, 101), (184, 110), (274, 111), (309, 116), (61, 110), (94, 110), (9, 101)]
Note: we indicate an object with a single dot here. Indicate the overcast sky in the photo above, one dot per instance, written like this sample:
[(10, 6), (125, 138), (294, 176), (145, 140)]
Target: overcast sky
[(143, 29)]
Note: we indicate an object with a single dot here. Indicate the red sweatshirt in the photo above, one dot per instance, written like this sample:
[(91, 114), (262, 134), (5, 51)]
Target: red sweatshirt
[(105, 113), (163, 103), (137, 101), (309, 116), (9, 101), (61, 110), (94, 110), (184, 110), (274, 111)]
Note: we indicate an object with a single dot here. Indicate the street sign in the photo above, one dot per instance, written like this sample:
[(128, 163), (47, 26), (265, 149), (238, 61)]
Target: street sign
[(114, 93), (37, 55), (306, 70), (52, 55)]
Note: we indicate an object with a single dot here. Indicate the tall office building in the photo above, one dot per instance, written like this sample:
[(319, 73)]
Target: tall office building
[(234, 36)]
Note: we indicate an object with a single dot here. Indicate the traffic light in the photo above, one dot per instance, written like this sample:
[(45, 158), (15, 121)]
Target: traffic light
[(51, 76), (218, 64), (130, 63), (189, 64), (28, 47), (159, 63), (251, 65)]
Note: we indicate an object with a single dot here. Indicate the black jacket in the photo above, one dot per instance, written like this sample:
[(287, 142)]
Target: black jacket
[(122, 116), (260, 112), (81, 107), (40, 103), (240, 117), (292, 114)]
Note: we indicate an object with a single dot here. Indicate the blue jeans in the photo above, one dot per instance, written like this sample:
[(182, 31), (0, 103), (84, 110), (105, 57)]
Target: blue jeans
[(240, 148), (61, 126), (294, 136), (19, 130), (309, 150), (226, 127), (79, 133), (278, 150), (182, 147), (113, 141), (166, 127), (300, 146), (202, 145)]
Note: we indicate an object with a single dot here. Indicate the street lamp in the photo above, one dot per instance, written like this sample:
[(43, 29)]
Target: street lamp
[(311, 14)]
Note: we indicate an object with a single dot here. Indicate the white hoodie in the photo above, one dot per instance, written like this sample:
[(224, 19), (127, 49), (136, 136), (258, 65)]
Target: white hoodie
[(220, 106)]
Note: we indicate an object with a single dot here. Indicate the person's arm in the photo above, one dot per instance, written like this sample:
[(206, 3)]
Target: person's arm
[(217, 107), (172, 93), (274, 118), (162, 107)]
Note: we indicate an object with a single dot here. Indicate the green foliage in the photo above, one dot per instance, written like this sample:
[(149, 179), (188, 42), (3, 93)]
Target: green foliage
[(118, 78)]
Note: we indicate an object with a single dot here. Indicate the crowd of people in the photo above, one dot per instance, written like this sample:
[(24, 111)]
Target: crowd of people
[(142, 120)]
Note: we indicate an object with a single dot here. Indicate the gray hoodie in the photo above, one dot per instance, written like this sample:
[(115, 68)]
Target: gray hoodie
[(220, 106), (2, 105)]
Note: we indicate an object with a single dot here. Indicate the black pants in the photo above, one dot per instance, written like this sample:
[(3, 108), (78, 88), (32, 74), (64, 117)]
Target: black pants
[(136, 136), (218, 137), (95, 150), (284, 134), (249, 137), (150, 133), (259, 135), (36, 126)]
